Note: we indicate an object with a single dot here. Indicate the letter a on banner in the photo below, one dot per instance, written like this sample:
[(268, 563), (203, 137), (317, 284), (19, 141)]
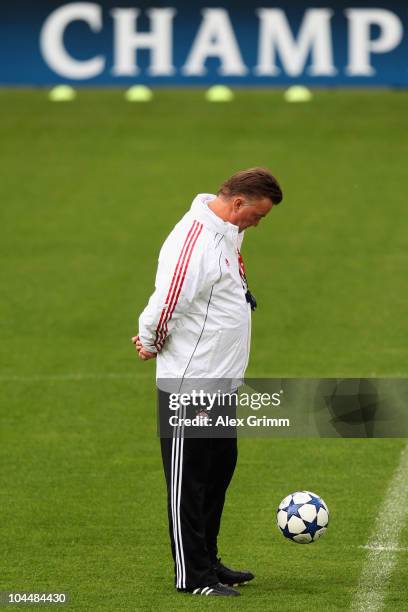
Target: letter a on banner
[(215, 38)]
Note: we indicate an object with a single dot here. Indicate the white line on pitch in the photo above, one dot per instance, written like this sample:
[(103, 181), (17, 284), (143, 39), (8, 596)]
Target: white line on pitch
[(73, 377), (386, 548), (383, 543)]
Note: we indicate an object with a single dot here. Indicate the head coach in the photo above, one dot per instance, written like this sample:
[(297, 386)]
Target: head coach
[(198, 324)]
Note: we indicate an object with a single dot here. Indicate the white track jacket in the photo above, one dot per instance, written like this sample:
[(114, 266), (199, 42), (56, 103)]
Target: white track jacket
[(198, 319)]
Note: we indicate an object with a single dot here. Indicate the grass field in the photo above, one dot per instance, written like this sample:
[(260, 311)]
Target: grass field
[(88, 192)]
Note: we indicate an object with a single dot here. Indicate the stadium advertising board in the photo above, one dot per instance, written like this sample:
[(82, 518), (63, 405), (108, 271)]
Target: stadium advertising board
[(259, 43)]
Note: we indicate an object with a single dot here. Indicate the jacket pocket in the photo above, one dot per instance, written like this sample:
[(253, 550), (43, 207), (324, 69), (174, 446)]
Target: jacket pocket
[(226, 344), (215, 348)]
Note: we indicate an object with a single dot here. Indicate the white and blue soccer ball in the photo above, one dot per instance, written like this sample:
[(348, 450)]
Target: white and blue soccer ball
[(303, 517)]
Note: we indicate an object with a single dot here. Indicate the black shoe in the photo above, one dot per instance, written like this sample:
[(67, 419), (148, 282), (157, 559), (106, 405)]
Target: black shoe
[(231, 577), (215, 589)]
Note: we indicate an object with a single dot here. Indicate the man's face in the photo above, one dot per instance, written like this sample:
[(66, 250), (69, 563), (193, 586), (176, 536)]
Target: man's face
[(247, 212)]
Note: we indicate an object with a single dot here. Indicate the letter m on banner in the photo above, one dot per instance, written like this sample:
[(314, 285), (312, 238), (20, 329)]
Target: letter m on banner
[(314, 38)]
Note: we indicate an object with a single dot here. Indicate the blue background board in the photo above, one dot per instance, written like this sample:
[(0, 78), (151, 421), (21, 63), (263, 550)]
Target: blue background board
[(22, 62)]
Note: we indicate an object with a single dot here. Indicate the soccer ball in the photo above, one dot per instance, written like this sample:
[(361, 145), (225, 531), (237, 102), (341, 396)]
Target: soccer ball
[(302, 517)]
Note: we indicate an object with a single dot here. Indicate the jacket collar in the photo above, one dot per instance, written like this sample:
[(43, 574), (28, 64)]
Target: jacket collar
[(209, 219)]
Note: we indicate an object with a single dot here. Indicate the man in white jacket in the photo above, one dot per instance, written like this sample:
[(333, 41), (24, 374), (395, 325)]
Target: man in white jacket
[(197, 324)]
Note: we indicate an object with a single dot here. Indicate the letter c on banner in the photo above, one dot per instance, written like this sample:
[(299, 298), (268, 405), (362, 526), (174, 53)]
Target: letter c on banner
[(52, 43)]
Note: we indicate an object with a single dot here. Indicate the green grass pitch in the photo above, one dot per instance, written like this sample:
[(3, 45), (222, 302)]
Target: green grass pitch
[(88, 192)]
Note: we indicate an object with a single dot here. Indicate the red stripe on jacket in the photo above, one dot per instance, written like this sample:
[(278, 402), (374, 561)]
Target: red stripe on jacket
[(177, 283)]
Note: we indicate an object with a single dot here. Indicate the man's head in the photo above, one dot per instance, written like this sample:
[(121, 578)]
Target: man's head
[(248, 196)]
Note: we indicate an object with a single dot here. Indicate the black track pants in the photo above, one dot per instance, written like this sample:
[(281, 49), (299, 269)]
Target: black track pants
[(198, 472)]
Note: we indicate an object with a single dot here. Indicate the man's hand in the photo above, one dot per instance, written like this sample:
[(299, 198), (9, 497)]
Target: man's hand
[(144, 355)]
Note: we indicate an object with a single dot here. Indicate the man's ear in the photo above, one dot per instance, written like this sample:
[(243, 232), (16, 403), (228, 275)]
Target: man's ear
[(237, 203)]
